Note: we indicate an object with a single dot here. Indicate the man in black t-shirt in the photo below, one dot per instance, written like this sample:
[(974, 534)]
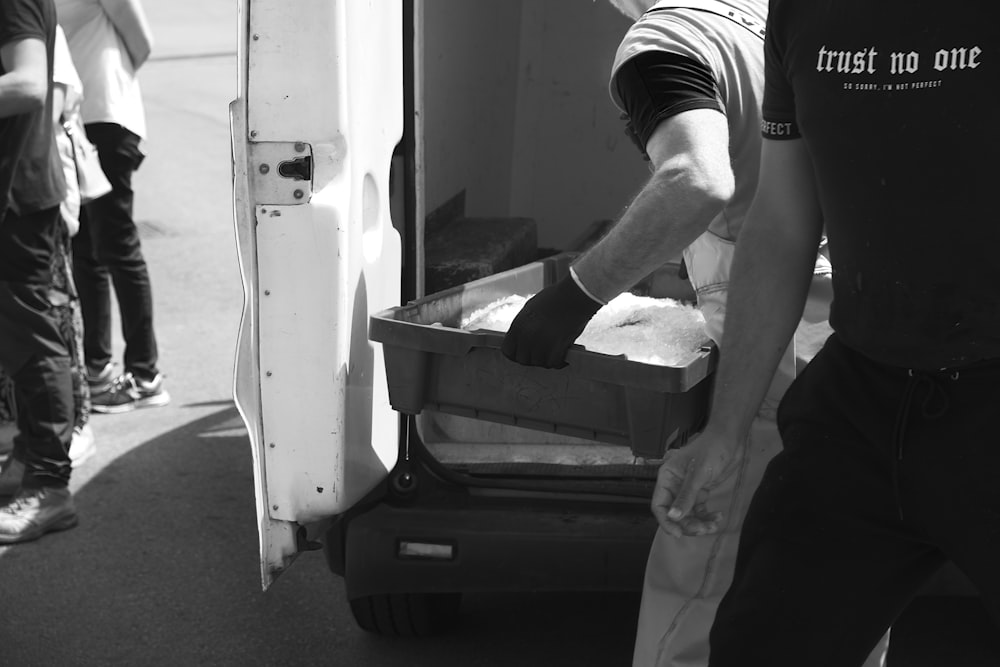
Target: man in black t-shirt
[(688, 75), (34, 479), (878, 121)]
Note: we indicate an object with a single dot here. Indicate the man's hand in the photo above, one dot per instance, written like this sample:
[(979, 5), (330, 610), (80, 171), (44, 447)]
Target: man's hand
[(686, 477), (548, 324)]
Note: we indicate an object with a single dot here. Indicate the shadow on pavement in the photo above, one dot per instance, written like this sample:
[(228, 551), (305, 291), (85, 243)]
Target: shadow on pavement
[(163, 570)]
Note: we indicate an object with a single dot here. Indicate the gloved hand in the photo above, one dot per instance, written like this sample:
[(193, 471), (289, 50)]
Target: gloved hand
[(548, 324)]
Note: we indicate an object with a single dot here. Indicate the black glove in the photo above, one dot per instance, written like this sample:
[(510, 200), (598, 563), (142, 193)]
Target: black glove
[(548, 324)]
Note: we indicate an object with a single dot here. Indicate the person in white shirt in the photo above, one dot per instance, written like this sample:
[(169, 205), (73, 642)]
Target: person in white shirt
[(110, 40)]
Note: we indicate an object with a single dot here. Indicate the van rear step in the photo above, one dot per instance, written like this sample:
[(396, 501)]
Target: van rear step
[(556, 471)]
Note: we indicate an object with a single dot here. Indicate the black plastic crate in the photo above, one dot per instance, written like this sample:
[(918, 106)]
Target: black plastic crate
[(431, 363)]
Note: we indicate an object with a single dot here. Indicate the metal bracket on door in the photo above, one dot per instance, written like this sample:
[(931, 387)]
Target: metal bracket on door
[(281, 172)]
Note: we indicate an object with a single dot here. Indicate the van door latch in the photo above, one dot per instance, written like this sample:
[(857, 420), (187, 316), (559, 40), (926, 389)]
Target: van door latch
[(299, 169), (280, 172)]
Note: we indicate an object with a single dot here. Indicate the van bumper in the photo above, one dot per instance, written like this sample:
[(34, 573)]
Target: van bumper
[(495, 545)]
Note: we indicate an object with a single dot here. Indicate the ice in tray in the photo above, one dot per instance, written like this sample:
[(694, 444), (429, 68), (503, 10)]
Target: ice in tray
[(662, 331), (630, 394)]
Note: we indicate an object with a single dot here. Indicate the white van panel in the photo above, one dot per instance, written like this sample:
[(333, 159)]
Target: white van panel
[(323, 79)]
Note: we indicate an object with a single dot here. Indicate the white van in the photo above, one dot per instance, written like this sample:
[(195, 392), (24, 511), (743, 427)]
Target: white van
[(356, 122)]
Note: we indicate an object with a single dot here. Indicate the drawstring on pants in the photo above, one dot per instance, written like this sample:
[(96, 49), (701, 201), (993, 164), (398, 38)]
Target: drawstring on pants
[(934, 391)]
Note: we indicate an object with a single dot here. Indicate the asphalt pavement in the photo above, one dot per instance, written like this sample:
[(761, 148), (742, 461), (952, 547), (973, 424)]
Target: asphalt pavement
[(163, 568)]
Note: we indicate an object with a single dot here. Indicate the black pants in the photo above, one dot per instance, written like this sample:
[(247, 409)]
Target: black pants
[(107, 251), (33, 349), (885, 476)]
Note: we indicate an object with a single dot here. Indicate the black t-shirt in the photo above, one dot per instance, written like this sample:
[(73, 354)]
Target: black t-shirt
[(896, 102), (30, 169)]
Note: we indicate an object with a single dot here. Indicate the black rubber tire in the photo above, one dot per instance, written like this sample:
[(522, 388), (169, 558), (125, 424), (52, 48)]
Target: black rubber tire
[(407, 614)]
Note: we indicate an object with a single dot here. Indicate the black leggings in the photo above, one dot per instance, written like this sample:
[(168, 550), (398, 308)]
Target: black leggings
[(107, 252), (885, 475)]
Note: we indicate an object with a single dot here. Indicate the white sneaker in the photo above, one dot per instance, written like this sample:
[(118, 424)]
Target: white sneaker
[(34, 512), (82, 446)]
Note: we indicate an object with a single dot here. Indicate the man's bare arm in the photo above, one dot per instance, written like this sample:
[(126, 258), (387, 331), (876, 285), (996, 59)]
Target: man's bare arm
[(691, 183), (130, 21), (24, 86), (770, 277)]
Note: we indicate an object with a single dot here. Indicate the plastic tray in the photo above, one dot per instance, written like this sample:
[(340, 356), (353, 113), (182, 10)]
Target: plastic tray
[(433, 364)]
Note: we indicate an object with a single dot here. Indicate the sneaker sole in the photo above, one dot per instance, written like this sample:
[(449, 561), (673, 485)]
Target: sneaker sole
[(63, 523), (157, 401)]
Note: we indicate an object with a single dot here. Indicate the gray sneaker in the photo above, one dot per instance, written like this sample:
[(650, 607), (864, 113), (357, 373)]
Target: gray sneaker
[(11, 474), (34, 512), (127, 392)]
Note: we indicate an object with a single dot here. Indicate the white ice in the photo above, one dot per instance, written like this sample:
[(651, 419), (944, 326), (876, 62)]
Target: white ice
[(654, 331)]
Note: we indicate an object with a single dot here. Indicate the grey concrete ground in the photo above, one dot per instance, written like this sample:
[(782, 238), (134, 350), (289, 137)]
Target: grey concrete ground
[(163, 567)]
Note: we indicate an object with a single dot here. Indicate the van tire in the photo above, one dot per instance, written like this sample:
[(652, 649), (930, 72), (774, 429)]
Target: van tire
[(407, 614)]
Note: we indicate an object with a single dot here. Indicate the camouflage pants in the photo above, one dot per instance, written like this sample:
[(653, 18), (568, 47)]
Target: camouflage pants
[(71, 323)]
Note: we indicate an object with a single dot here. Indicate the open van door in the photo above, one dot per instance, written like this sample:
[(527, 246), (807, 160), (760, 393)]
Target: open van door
[(318, 113)]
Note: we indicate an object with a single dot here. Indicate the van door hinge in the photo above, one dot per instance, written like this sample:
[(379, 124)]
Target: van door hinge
[(280, 172)]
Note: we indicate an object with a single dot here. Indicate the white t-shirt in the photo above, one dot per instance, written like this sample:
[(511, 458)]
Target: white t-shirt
[(110, 89), (63, 72), (727, 38)]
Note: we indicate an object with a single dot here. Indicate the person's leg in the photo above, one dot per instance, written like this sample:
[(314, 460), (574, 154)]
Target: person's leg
[(62, 283), (44, 390), (948, 465), (81, 388), (825, 563), (33, 349), (686, 578), (71, 323), (117, 245), (34, 352), (93, 285)]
